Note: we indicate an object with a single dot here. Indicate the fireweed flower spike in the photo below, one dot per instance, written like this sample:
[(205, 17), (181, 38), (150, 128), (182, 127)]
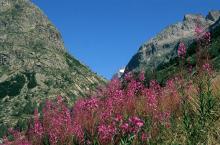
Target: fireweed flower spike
[(181, 50), (37, 130), (120, 112), (198, 30), (207, 38), (142, 76), (207, 68), (106, 133)]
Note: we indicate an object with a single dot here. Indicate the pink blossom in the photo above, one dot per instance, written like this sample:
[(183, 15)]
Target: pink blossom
[(198, 30), (91, 103), (151, 99), (136, 121), (106, 133), (57, 122), (206, 38), (78, 132), (142, 76), (207, 68), (133, 87), (181, 50), (128, 76), (59, 99), (36, 131), (203, 37), (118, 118), (116, 112), (124, 128), (136, 124)]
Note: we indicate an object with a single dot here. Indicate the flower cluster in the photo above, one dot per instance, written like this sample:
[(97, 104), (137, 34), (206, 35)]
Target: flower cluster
[(203, 36), (120, 110), (36, 131), (198, 30), (106, 133), (207, 68), (132, 126), (136, 124), (124, 108), (181, 50), (207, 38)]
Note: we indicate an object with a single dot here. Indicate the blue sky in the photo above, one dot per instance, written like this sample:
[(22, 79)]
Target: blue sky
[(105, 34)]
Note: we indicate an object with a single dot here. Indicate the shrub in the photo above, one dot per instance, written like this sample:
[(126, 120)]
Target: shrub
[(13, 86), (32, 82), (3, 129)]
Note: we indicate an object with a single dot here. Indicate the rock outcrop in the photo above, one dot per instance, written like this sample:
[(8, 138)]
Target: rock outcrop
[(163, 47), (34, 65)]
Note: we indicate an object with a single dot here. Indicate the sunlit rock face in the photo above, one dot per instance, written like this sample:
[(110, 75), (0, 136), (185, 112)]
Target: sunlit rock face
[(163, 46), (34, 65)]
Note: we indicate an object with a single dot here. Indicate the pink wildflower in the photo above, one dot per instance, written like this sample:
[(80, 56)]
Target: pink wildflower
[(136, 121), (124, 128), (106, 133), (36, 131), (118, 118), (181, 50), (136, 124), (142, 76), (198, 30), (59, 99), (151, 99), (207, 68), (91, 104), (206, 38), (128, 76), (78, 132)]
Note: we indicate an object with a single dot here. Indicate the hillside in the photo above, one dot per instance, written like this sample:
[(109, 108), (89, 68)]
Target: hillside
[(162, 48), (165, 70), (34, 64), (171, 95)]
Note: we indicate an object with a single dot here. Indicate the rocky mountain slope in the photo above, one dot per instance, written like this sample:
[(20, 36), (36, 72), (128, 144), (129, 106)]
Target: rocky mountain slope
[(34, 65), (163, 47)]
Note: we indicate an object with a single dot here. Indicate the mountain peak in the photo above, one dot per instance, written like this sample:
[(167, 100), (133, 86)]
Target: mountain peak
[(213, 15), (161, 48), (190, 17), (23, 16), (34, 64)]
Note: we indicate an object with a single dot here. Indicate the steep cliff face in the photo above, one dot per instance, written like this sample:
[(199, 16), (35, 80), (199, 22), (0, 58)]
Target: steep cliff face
[(34, 65), (163, 47)]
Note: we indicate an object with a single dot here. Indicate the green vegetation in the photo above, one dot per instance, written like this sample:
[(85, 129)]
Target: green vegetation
[(3, 129), (38, 45), (17, 9), (28, 108), (32, 82), (72, 62), (12, 87), (21, 125)]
